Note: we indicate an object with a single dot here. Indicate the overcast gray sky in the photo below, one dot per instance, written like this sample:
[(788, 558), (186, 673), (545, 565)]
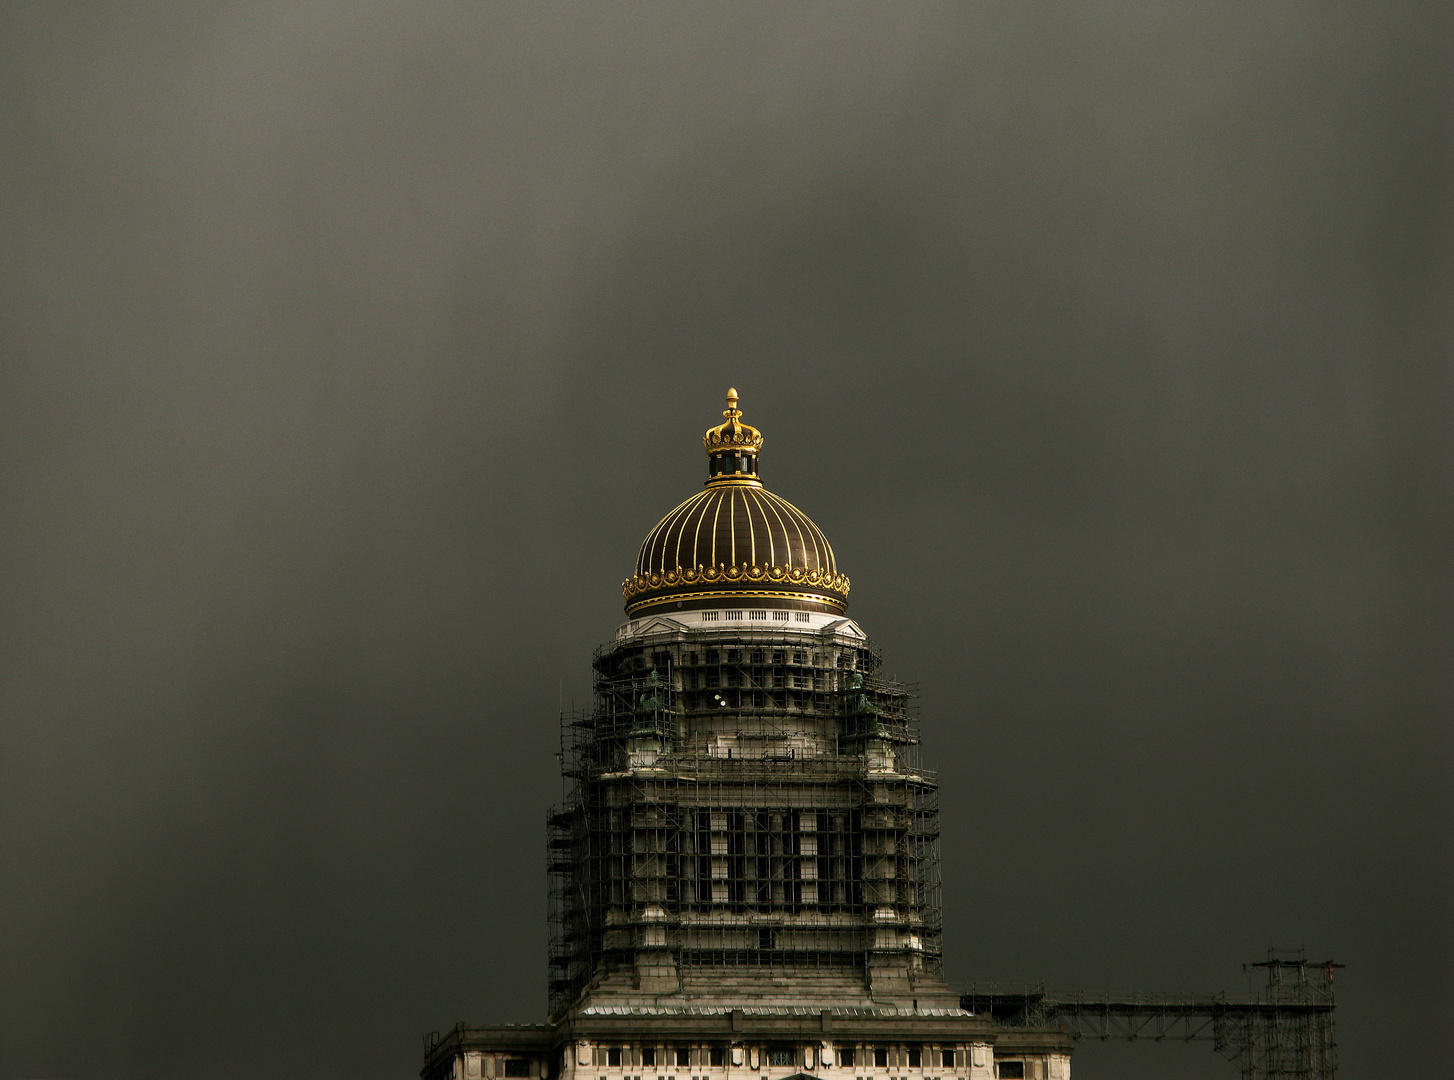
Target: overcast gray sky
[(350, 350)]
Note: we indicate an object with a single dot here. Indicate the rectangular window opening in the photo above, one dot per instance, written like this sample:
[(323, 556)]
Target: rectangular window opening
[(1010, 1070), (517, 1067)]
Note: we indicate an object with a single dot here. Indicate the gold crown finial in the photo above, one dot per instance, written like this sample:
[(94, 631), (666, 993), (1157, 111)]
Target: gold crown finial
[(734, 435)]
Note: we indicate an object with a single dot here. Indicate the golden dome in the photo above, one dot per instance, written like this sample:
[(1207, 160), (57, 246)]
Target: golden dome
[(736, 543)]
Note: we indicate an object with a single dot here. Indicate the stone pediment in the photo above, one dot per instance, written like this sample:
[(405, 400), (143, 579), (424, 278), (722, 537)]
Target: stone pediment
[(658, 624)]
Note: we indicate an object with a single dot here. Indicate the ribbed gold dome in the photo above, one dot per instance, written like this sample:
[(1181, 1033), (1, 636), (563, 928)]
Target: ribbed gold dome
[(736, 543)]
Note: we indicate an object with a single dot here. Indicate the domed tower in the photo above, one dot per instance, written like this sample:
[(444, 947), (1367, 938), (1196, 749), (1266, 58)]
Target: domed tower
[(744, 874), (748, 821)]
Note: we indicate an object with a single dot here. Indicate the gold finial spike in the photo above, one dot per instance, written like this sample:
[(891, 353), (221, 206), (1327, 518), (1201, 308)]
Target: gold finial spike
[(732, 410)]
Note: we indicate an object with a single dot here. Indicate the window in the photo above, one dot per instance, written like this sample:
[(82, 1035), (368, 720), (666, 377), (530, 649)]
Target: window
[(766, 938), (710, 616), (880, 1057), (801, 616), (648, 1055), (684, 1056), (946, 1059), (734, 656), (714, 677), (757, 614), (845, 1056), (613, 1057), (756, 656), (517, 1066), (781, 616), (779, 1055), (799, 657), (691, 658), (718, 1056), (915, 1058), (1010, 1070), (777, 656), (732, 615), (712, 656)]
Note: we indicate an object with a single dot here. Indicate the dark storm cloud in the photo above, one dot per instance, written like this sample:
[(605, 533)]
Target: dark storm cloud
[(349, 352)]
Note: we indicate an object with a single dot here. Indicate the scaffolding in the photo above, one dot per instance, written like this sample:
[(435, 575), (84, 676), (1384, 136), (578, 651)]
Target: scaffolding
[(742, 800), (1283, 1033)]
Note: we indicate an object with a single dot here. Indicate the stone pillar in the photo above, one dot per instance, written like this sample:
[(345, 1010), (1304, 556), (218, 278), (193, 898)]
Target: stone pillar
[(656, 972)]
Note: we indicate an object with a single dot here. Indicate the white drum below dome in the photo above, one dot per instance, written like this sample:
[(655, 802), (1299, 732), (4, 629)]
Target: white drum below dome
[(769, 620)]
